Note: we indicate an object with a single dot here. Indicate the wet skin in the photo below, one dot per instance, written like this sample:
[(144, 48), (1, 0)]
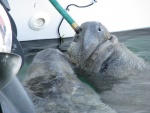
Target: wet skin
[(121, 78)]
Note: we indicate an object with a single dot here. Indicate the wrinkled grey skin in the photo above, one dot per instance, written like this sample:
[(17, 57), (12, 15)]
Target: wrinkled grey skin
[(121, 78), (55, 88)]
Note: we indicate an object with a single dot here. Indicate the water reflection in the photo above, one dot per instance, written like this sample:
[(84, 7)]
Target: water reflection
[(140, 46)]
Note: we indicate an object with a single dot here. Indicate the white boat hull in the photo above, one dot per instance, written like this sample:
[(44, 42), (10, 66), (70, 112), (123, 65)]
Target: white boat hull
[(116, 15)]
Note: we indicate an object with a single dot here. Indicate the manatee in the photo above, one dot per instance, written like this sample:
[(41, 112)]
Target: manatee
[(55, 88), (120, 77)]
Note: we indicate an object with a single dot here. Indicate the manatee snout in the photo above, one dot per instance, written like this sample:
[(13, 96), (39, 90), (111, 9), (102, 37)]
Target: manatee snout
[(117, 74), (96, 50), (92, 31), (92, 42)]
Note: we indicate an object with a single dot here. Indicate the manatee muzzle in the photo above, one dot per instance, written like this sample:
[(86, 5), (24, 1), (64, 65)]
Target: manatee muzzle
[(100, 55)]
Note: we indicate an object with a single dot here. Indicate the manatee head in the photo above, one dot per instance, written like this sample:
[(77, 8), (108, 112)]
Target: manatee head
[(92, 35)]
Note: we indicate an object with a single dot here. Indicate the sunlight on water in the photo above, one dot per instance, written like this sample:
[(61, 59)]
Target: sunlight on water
[(140, 46)]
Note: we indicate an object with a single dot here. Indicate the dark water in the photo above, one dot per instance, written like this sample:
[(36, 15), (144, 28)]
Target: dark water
[(23, 72)]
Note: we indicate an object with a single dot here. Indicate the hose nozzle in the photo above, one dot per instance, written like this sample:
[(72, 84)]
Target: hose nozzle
[(67, 17)]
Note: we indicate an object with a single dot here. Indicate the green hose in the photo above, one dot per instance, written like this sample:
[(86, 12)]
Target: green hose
[(67, 17)]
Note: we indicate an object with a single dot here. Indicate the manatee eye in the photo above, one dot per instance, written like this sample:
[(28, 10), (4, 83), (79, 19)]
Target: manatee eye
[(99, 26)]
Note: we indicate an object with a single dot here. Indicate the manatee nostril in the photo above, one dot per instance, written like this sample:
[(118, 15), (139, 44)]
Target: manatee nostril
[(75, 38), (99, 29)]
